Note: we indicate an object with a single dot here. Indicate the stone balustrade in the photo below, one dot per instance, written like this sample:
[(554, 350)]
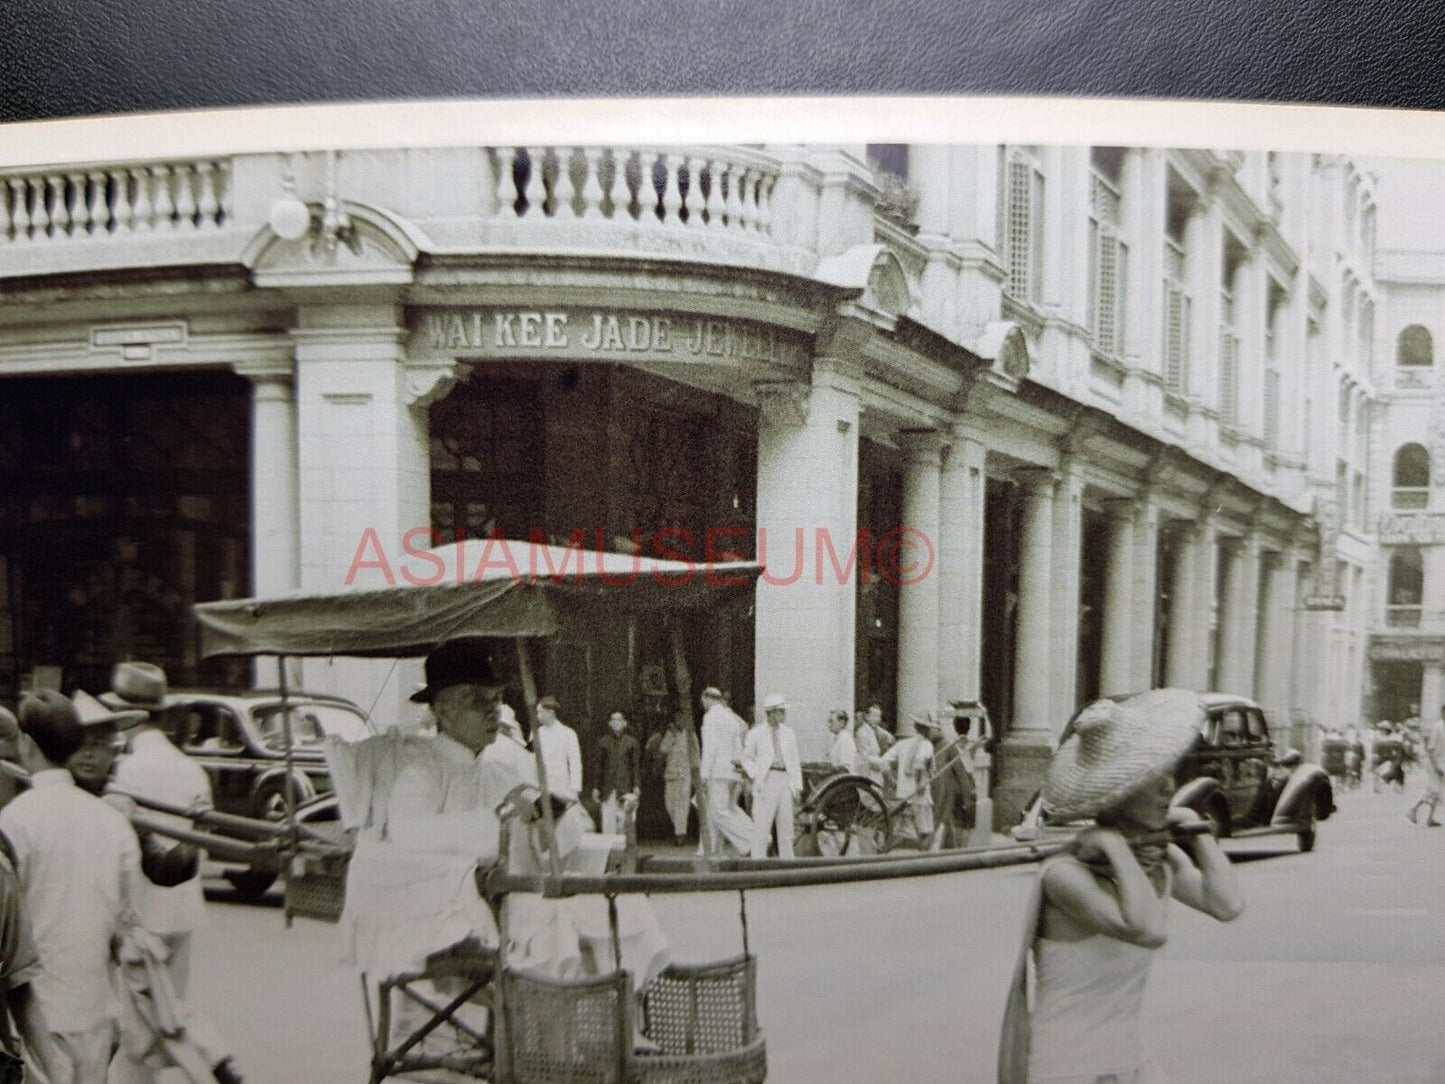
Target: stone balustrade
[(687, 188), (56, 205)]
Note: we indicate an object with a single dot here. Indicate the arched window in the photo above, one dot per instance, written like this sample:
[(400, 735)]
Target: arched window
[(1406, 588), (1414, 355), (1412, 477)]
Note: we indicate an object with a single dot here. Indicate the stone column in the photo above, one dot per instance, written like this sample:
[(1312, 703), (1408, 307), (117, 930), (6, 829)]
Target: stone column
[(275, 560), (364, 476), (1206, 580), (1120, 642), (808, 533), (919, 587), (1273, 674), (960, 567), (1025, 750), (1184, 606), (1432, 690), (1145, 596), (1240, 619), (1065, 571)]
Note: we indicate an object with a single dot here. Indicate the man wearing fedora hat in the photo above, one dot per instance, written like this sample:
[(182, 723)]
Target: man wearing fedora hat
[(770, 760), (155, 769), (79, 866)]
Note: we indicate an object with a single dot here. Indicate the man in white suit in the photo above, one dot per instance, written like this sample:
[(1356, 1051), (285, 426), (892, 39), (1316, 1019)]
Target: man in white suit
[(722, 748), (770, 760)]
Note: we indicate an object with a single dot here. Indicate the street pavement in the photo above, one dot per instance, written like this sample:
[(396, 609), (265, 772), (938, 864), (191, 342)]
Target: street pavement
[(1335, 972)]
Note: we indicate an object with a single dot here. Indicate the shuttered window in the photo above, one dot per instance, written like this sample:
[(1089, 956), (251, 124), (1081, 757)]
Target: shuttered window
[(1228, 363), (1176, 321), (1108, 268), (1023, 229)]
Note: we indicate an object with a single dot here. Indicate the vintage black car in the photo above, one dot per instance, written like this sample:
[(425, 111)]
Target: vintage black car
[(1233, 779)]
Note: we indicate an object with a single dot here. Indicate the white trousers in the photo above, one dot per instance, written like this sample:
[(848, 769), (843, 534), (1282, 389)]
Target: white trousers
[(129, 1067), (677, 796), (772, 804), (613, 822), (726, 822)]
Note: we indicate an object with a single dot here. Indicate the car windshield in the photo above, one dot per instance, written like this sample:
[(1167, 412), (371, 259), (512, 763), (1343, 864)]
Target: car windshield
[(310, 723)]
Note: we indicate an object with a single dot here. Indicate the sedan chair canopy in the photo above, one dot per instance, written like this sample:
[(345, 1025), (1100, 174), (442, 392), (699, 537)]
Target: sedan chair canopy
[(481, 587)]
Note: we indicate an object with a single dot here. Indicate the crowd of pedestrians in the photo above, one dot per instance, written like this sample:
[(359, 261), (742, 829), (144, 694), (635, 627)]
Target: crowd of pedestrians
[(97, 919)]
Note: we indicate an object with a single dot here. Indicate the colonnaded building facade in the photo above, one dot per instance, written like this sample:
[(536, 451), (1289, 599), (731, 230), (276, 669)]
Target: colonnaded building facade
[(1120, 399)]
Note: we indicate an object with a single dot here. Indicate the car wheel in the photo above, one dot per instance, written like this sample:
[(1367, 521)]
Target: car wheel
[(250, 884), (1305, 832), (269, 804)]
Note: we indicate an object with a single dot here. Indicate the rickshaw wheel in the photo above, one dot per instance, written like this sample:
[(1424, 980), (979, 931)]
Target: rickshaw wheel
[(851, 819)]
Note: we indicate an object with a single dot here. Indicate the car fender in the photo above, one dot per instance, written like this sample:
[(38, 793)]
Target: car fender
[(1196, 794), (305, 788), (324, 807), (1298, 790)]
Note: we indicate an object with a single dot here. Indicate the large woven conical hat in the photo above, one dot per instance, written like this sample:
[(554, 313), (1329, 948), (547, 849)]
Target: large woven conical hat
[(1116, 747)]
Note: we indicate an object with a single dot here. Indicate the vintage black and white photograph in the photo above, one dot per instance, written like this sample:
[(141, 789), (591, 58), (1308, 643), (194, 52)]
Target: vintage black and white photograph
[(527, 606)]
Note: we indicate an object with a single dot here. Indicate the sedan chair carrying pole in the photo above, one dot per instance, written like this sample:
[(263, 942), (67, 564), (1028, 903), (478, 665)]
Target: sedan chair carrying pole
[(529, 694)]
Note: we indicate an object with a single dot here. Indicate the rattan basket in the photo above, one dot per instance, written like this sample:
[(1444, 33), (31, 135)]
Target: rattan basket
[(316, 888), (580, 1032)]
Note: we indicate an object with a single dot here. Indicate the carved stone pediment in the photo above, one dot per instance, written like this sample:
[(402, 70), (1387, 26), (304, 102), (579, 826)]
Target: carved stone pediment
[(875, 272), (1004, 345), (376, 248)]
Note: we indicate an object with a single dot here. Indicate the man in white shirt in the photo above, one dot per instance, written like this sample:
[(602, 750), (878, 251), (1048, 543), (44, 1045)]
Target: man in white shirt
[(770, 760), (912, 758), (156, 769), (79, 866), (723, 733), (561, 751), (844, 752), (1434, 761)]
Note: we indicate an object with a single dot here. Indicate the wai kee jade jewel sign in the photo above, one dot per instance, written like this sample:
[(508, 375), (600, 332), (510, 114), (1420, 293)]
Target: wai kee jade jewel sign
[(598, 334)]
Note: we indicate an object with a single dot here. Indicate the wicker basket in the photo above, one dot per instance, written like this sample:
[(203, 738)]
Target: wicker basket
[(316, 888), (747, 1065), (563, 1032), (580, 1032)]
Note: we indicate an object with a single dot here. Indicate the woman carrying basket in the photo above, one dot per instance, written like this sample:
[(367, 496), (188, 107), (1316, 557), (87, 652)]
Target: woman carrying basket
[(1097, 914)]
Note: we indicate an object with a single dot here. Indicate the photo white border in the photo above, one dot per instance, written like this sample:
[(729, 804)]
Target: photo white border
[(1360, 132)]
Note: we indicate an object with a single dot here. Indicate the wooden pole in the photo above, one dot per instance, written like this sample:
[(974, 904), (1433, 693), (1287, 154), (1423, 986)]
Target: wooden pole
[(529, 694), (290, 767)]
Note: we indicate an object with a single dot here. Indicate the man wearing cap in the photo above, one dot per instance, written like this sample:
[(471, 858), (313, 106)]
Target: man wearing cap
[(723, 733), (911, 757), (770, 760), (561, 751), (155, 769), (79, 867)]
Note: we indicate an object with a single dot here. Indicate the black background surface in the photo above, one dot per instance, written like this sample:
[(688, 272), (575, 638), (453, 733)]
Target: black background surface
[(62, 58)]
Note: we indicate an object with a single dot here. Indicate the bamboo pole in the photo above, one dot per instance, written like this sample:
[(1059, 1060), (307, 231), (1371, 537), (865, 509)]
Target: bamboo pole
[(529, 694)]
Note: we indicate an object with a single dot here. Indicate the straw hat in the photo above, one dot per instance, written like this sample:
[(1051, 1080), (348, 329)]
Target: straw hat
[(1116, 747), (136, 685), (93, 712)]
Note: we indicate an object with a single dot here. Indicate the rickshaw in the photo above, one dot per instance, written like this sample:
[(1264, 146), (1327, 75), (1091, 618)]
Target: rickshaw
[(701, 1018), (846, 813)]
